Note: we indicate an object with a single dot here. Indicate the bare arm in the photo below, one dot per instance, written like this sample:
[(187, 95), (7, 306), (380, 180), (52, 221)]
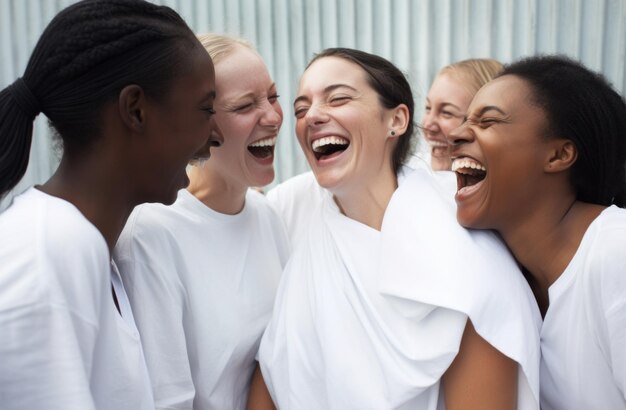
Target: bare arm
[(259, 397), (480, 377)]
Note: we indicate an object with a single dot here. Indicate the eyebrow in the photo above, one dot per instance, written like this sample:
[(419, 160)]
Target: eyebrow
[(326, 90), (489, 108), (251, 94), (445, 104), (210, 95)]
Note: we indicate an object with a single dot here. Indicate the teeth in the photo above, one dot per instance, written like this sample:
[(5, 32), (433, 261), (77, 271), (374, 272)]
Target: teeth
[(467, 163), (435, 143), (267, 142), (327, 141)]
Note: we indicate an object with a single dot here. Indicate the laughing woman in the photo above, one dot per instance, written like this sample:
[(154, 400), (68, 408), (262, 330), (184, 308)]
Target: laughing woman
[(447, 101), (378, 307), (202, 274), (549, 137)]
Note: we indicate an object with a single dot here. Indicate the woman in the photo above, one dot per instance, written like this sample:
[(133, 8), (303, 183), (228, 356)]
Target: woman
[(541, 159), (372, 312), (446, 103), (129, 90), (202, 274)]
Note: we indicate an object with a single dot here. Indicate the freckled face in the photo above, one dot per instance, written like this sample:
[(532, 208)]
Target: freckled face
[(445, 108), (499, 155), (178, 129), (341, 125), (249, 116)]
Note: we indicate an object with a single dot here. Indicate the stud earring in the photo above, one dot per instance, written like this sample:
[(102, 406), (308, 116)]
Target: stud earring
[(392, 133)]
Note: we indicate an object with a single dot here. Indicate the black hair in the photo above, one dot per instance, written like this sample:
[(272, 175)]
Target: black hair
[(391, 86), (581, 106), (85, 56)]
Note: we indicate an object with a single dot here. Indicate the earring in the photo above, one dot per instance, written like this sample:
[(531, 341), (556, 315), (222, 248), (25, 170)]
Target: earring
[(392, 133)]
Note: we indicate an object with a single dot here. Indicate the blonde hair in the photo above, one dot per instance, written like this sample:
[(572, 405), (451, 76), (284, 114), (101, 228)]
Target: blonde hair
[(220, 45), (473, 73)]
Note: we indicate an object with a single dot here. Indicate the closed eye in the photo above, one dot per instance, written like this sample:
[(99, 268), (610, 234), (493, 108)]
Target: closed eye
[(273, 98), (244, 107), (209, 111), (300, 111), (339, 100)]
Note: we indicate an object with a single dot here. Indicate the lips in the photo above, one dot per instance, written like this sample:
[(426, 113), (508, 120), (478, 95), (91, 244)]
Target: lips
[(204, 153)]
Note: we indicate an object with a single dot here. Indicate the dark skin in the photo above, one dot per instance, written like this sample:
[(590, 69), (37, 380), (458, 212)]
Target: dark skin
[(480, 377), (96, 181), (527, 194)]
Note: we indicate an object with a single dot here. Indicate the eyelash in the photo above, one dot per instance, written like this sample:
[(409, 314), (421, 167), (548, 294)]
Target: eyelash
[(339, 99), (209, 111), (300, 112)]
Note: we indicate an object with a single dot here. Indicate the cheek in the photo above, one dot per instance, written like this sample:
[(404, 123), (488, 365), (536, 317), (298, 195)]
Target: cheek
[(279, 111), (451, 124), (300, 131)]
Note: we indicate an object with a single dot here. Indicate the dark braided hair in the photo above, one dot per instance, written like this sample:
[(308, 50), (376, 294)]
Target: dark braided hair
[(83, 59), (581, 106), (392, 88)]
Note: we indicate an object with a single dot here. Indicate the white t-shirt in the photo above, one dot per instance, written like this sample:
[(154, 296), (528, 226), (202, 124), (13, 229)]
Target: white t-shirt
[(63, 344), (294, 200), (583, 339), (368, 319), (202, 286)]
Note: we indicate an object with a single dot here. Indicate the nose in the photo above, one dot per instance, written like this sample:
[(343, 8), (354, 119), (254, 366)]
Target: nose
[(216, 138), (460, 135), (316, 115), (272, 115)]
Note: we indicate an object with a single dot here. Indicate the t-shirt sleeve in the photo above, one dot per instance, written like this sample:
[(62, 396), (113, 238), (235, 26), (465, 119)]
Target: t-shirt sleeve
[(45, 355), (146, 260), (49, 330)]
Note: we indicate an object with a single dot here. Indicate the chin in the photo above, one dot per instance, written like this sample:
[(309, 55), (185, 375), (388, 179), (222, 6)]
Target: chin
[(262, 179)]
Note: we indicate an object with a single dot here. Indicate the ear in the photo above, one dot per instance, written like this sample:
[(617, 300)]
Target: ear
[(398, 121), (562, 155), (132, 107)]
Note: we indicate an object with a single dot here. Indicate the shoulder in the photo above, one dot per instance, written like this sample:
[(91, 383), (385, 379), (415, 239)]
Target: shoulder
[(148, 226), (602, 256), (51, 252), (267, 218), (295, 188)]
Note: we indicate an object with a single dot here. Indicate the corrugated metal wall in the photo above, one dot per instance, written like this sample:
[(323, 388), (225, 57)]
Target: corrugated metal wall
[(420, 36)]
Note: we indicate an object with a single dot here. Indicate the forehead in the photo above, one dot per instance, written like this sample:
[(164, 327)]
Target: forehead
[(330, 71), (200, 74), (446, 86), (508, 92), (243, 68)]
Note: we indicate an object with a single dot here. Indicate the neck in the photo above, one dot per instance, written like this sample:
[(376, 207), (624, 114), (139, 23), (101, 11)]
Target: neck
[(547, 238), (215, 191), (95, 194), (367, 202)]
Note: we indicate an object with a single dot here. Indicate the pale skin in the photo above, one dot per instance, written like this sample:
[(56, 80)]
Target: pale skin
[(247, 110), (480, 377)]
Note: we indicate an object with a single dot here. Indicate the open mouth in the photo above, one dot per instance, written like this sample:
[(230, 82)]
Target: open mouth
[(469, 172), (264, 148), (204, 153), (438, 148), (327, 147)]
